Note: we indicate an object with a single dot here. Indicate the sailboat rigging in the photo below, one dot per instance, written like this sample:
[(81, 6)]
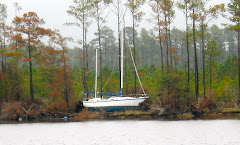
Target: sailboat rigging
[(115, 102)]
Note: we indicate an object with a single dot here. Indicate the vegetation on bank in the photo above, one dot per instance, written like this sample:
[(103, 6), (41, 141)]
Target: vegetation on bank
[(41, 80)]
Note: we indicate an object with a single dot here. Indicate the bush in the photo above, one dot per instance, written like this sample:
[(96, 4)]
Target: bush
[(207, 104), (86, 114), (24, 109), (56, 109)]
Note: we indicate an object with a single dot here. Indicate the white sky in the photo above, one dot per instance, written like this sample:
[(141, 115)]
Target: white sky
[(55, 15)]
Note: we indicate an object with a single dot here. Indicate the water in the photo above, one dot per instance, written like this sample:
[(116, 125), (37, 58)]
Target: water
[(213, 132)]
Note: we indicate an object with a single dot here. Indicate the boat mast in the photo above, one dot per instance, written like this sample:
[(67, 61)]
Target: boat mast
[(96, 73), (122, 61)]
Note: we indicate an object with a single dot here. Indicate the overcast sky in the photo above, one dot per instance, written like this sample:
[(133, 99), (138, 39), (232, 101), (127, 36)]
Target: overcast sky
[(55, 15)]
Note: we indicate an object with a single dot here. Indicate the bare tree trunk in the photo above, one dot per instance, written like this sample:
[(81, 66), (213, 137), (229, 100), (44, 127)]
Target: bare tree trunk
[(203, 61), (238, 66), (81, 64), (31, 80), (146, 56), (167, 50), (183, 57), (160, 41), (188, 55), (87, 66), (2, 58), (176, 54), (195, 55), (84, 56), (166, 31), (65, 80), (125, 63), (105, 53), (30, 69), (210, 74), (142, 54), (170, 43)]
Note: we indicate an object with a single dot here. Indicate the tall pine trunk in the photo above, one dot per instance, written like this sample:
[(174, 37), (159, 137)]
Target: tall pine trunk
[(166, 37), (65, 80), (195, 56), (203, 61), (238, 65), (210, 75), (31, 80), (87, 66), (84, 56), (125, 63), (30, 69), (2, 58), (170, 43), (160, 43), (188, 55)]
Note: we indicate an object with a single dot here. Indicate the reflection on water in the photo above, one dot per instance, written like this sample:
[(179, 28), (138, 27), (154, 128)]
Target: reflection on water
[(213, 132)]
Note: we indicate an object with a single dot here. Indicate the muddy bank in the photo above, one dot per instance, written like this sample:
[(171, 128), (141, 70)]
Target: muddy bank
[(151, 115), (127, 116)]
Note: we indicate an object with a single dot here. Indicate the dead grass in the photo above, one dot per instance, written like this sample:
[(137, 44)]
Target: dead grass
[(85, 114), (231, 110)]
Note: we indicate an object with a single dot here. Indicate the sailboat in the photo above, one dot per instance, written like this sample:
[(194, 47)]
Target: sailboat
[(115, 102)]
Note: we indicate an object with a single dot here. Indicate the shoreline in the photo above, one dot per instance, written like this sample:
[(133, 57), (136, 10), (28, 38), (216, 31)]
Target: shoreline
[(129, 115)]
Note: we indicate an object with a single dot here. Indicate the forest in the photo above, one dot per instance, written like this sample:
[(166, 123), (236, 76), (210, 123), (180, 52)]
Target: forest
[(181, 70)]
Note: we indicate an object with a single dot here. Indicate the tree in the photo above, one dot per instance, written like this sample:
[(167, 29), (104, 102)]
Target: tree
[(30, 34), (194, 7), (100, 6), (134, 6), (3, 31), (3, 17), (17, 8), (156, 8), (82, 10), (206, 15), (168, 12), (108, 46), (212, 51), (119, 11), (149, 44), (183, 5), (170, 17), (221, 37), (234, 10), (178, 36), (62, 42)]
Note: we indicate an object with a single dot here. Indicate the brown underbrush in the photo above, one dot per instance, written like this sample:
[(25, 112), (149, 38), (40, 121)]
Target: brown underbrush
[(85, 114), (25, 109)]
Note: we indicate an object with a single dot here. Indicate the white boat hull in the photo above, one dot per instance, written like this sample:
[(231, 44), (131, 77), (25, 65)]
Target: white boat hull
[(113, 103)]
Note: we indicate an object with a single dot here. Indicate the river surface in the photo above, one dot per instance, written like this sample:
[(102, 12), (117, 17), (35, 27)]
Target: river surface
[(196, 132)]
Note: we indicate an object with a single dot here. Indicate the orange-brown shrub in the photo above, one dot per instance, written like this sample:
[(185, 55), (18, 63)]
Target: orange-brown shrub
[(24, 109), (61, 107), (207, 104), (56, 108), (86, 114), (72, 104)]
